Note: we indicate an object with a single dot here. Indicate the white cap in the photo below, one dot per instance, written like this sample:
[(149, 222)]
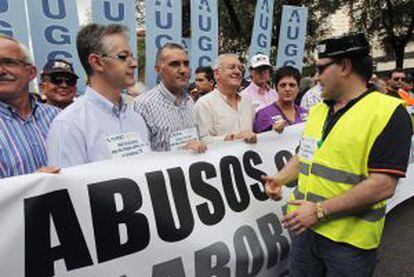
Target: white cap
[(259, 60)]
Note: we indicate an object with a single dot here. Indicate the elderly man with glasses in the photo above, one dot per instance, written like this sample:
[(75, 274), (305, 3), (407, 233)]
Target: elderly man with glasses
[(24, 122), (100, 125)]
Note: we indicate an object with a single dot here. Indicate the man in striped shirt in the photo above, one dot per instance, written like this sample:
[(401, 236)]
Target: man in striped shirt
[(24, 122)]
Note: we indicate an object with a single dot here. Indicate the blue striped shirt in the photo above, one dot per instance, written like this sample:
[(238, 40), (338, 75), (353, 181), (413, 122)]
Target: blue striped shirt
[(23, 141)]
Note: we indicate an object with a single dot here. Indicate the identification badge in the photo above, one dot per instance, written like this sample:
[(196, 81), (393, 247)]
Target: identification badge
[(304, 116), (277, 118), (180, 138), (126, 145), (307, 148)]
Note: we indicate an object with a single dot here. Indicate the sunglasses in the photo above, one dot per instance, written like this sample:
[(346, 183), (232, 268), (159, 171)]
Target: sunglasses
[(59, 79), (320, 68)]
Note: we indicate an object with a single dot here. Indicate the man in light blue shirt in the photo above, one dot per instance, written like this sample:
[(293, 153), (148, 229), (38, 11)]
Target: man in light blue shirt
[(100, 125)]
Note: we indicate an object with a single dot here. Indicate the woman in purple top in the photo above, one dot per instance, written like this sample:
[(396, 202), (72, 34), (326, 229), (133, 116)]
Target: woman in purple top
[(283, 112)]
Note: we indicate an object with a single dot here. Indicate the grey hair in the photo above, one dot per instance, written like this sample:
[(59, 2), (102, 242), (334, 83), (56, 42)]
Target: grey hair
[(168, 45), (91, 39), (27, 55), (219, 60)]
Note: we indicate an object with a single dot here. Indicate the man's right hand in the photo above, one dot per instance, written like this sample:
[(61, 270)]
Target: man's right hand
[(48, 169), (273, 187)]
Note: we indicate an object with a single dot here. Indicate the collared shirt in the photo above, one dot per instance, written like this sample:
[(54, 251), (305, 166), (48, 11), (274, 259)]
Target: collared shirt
[(164, 115), (266, 117), (311, 97), (83, 132), (23, 141), (260, 97), (216, 118)]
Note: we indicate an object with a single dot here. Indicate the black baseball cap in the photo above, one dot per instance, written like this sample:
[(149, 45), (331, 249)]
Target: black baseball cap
[(354, 45), (58, 66)]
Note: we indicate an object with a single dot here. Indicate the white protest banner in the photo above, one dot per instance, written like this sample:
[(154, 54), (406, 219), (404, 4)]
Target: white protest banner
[(292, 37), (163, 24), (160, 214), (54, 25), (204, 33), (262, 28)]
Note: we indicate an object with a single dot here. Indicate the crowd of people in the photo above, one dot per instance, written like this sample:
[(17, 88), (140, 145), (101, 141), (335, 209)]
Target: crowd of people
[(354, 148)]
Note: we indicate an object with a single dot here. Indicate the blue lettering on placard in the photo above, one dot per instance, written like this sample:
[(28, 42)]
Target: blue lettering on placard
[(207, 46), (291, 63), (200, 23), (59, 55), (158, 20), (267, 5), (109, 16), (262, 40), (63, 36), (291, 50), (266, 23), (290, 36), (4, 6), (61, 7), (293, 15), (204, 61), (159, 3), (207, 5), (158, 39), (184, 44), (6, 28)]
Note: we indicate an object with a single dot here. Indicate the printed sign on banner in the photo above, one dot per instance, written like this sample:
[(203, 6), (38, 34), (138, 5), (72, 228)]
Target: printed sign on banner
[(262, 28), (204, 33), (13, 21), (161, 214), (163, 24), (292, 37), (117, 12), (54, 27)]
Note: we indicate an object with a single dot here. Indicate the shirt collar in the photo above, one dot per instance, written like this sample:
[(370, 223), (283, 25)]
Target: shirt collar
[(9, 112), (258, 89), (104, 103), (170, 98)]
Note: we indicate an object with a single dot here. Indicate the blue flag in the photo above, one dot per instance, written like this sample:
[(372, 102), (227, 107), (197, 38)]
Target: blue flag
[(204, 33), (54, 25), (117, 12), (262, 28), (292, 37), (163, 24), (13, 21)]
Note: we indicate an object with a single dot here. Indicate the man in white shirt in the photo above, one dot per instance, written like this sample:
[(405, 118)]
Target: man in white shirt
[(259, 92), (100, 125), (222, 114)]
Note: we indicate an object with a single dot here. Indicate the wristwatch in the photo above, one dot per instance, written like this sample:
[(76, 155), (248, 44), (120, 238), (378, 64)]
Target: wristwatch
[(320, 212)]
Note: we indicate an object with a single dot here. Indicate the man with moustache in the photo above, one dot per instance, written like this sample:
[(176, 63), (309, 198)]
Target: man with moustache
[(58, 83), (223, 114), (99, 125), (354, 148), (168, 108), (24, 122)]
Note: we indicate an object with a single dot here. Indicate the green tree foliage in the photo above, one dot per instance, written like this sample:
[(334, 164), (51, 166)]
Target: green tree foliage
[(391, 21)]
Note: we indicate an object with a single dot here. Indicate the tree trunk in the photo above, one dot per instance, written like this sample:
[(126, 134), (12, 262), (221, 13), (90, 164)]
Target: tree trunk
[(399, 55)]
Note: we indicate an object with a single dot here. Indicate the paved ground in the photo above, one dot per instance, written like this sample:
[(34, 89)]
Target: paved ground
[(396, 252)]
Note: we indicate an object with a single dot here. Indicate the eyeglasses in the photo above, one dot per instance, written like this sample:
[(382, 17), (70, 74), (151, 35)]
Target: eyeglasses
[(11, 63), (59, 79), (121, 57), (320, 68), (397, 79)]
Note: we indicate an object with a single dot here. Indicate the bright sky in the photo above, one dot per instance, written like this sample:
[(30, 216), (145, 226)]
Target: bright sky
[(83, 6)]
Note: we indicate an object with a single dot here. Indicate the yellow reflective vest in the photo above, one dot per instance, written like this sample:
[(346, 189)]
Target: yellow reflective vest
[(331, 168)]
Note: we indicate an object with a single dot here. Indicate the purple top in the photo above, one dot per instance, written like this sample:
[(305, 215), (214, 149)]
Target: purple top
[(266, 117)]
